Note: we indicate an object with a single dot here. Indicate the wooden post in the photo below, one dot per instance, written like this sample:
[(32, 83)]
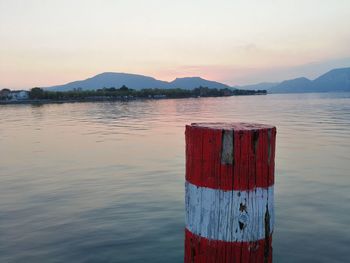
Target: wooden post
[(229, 192)]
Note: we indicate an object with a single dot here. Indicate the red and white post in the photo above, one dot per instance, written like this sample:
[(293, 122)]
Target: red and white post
[(229, 192)]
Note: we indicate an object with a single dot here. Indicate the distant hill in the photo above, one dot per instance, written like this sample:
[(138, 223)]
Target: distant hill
[(111, 79), (137, 82), (259, 86), (334, 80), (293, 85), (194, 82)]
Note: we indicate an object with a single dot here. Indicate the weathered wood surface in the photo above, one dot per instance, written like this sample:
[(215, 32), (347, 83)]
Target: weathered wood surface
[(229, 192)]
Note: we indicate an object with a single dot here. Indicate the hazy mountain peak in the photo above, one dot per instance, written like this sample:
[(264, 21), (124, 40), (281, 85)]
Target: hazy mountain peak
[(333, 80), (296, 80), (117, 75), (192, 78), (336, 73), (135, 81), (195, 82), (339, 70)]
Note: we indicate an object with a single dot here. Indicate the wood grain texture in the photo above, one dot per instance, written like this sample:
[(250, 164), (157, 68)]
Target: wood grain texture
[(202, 250), (232, 216), (229, 192), (251, 165)]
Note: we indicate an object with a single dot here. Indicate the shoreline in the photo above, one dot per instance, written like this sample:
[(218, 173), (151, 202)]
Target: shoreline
[(48, 101)]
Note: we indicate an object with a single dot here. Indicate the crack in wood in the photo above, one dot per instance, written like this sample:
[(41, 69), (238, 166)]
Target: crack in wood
[(227, 147), (267, 235), (269, 146)]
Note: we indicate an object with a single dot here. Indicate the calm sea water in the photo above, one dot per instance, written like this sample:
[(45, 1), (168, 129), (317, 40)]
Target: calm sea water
[(104, 182)]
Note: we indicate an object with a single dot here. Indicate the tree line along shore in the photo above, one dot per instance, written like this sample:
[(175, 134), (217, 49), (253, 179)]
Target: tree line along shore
[(122, 93)]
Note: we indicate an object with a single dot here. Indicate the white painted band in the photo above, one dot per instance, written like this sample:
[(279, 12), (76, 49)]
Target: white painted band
[(231, 216)]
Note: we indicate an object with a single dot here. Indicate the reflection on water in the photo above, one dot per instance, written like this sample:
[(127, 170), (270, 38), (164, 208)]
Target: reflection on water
[(103, 182)]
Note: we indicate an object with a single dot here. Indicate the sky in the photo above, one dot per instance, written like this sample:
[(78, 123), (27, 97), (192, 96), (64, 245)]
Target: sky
[(51, 42)]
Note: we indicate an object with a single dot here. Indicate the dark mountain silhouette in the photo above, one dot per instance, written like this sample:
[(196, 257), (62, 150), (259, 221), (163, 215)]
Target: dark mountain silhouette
[(194, 82), (111, 79), (334, 80), (133, 81), (293, 85)]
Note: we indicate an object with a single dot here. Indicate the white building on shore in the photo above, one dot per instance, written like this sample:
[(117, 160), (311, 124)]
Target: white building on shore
[(18, 95)]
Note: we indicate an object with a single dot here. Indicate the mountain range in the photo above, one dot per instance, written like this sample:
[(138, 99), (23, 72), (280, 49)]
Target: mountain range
[(334, 80), (137, 82)]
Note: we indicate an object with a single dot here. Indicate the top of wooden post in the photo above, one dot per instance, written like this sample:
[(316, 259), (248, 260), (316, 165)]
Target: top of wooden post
[(236, 126), (230, 156)]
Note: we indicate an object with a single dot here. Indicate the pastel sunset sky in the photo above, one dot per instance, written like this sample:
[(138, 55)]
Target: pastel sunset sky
[(49, 42)]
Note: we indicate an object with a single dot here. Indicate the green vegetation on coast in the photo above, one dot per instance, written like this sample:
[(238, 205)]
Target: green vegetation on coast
[(118, 93), (124, 93)]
